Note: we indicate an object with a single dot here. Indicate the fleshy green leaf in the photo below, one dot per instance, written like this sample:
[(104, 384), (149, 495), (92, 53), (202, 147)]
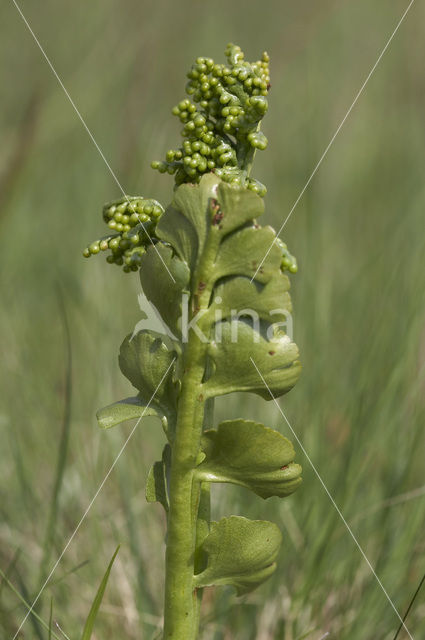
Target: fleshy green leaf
[(157, 481), (240, 293), (124, 410), (276, 358), (240, 553), (251, 455), (237, 206), (185, 224), (160, 289), (88, 627), (186, 221), (242, 252), (241, 247), (148, 363)]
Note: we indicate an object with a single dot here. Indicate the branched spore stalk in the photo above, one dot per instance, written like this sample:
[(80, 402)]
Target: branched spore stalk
[(209, 240)]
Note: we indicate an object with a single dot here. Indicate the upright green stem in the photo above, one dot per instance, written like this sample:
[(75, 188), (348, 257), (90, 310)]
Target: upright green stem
[(187, 500), (180, 600), (202, 530)]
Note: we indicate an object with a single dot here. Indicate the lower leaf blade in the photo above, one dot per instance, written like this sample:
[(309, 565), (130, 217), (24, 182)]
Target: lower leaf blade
[(123, 410), (240, 553), (157, 481), (249, 454)]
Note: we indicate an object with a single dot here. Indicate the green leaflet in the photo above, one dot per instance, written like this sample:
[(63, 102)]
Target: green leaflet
[(187, 221), (276, 358), (149, 365), (271, 301), (214, 207), (251, 455), (159, 287), (243, 251), (124, 410), (157, 481), (238, 206), (240, 553)]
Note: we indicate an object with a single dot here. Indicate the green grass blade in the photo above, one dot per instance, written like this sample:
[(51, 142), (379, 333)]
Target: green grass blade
[(25, 603), (409, 607), (48, 545), (27, 596), (88, 627), (50, 619)]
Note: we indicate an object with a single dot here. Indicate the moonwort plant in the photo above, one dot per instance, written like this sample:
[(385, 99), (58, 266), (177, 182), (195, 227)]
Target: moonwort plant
[(201, 264)]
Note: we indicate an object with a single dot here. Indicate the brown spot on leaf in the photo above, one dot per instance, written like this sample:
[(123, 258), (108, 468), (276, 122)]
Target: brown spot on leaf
[(218, 217), (271, 353), (218, 214)]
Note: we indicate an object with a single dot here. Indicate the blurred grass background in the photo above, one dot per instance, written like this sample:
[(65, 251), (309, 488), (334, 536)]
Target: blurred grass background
[(358, 234)]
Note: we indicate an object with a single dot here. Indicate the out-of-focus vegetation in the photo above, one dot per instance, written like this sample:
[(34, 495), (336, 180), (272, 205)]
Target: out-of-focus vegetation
[(359, 236)]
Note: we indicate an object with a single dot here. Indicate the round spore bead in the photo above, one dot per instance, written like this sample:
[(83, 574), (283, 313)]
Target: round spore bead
[(134, 220), (221, 132), (289, 262), (229, 101)]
